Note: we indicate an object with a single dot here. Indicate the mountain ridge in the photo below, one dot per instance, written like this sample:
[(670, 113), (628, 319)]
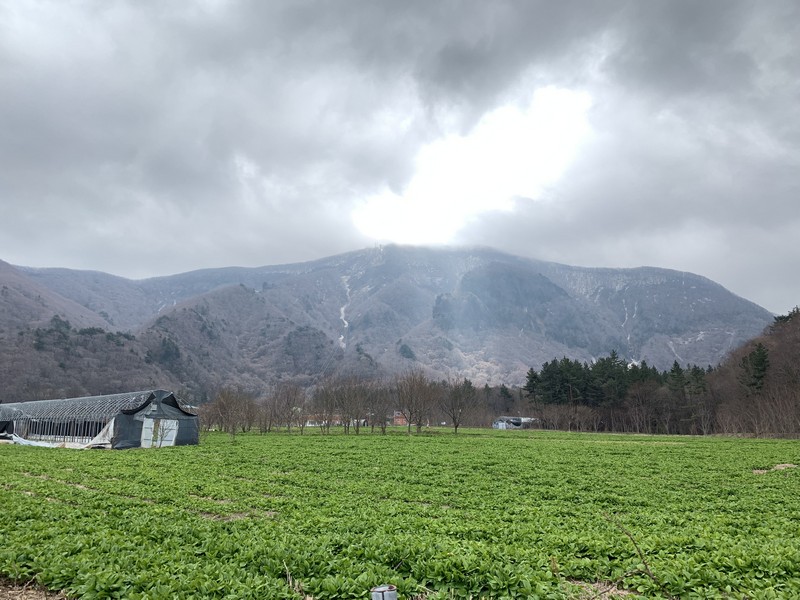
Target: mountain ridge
[(473, 312)]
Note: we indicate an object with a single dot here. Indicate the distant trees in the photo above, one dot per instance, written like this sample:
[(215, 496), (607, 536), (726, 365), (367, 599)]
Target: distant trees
[(753, 369), (352, 403), (348, 402), (286, 407), (416, 397), (758, 388), (235, 410), (231, 410), (783, 319), (457, 400), (614, 396), (380, 403), (324, 403), (756, 391)]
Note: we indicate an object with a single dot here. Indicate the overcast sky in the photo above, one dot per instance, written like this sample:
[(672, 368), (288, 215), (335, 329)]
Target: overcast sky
[(148, 138)]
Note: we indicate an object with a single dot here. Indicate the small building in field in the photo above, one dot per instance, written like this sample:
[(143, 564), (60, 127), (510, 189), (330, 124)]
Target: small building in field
[(146, 419), (514, 422), (399, 419)]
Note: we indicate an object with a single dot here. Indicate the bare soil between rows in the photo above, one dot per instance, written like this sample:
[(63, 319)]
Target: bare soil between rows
[(31, 591)]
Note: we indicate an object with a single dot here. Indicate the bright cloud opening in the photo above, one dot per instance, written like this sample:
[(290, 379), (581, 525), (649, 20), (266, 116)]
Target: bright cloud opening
[(510, 153)]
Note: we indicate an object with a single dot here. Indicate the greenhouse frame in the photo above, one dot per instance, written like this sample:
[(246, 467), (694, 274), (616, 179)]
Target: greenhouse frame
[(146, 419)]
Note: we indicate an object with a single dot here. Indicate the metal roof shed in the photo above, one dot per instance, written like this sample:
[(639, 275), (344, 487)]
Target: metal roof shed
[(144, 419)]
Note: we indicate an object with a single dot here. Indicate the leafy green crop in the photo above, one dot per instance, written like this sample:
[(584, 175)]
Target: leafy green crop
[(482, 514)]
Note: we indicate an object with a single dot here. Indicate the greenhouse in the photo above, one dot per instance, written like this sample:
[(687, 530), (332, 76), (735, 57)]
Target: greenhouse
[(145, 419)]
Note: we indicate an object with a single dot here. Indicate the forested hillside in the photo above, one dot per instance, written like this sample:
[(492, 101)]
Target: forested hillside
[(756, 389), (58, 360)]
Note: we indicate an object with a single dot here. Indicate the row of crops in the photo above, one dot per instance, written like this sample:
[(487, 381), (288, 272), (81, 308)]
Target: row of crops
[(480, 514)]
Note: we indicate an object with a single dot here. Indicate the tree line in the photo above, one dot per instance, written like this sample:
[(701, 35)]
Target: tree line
[(756, 390), (613, 395), (350, 403)]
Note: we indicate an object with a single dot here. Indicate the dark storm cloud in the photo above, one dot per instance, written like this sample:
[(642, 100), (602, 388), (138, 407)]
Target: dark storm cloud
[(683, 47), (694, 159), (250, 130), (711, 194)]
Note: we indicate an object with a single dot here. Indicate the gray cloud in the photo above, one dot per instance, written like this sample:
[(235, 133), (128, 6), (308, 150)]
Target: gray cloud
[(245, 132)]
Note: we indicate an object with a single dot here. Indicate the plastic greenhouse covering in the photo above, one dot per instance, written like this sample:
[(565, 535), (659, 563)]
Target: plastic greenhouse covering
[(129, 420)]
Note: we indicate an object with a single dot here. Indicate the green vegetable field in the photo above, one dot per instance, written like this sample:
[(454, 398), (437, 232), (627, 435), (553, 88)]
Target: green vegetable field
[(484, 514)]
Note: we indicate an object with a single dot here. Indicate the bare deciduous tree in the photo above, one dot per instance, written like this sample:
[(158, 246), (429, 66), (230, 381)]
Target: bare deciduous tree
[(416, 397), (458, 399), (324, 405), (379, 404), (267, 414), (231, 410), (287, 400)]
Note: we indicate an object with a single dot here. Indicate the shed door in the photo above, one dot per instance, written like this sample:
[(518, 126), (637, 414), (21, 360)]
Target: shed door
[(159, 432)]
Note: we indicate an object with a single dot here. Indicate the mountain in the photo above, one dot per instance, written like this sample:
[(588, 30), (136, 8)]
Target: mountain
[(25, 302), (474, 313), (52, 346)]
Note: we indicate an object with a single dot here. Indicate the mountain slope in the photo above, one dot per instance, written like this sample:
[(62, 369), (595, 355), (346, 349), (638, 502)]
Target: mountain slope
[(474, 313), (24, 302)]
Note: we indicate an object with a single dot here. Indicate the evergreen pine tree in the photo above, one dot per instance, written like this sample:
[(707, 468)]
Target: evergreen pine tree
[(754, 368)]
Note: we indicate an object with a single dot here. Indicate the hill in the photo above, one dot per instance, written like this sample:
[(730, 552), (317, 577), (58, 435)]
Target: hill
[(25, 302)]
